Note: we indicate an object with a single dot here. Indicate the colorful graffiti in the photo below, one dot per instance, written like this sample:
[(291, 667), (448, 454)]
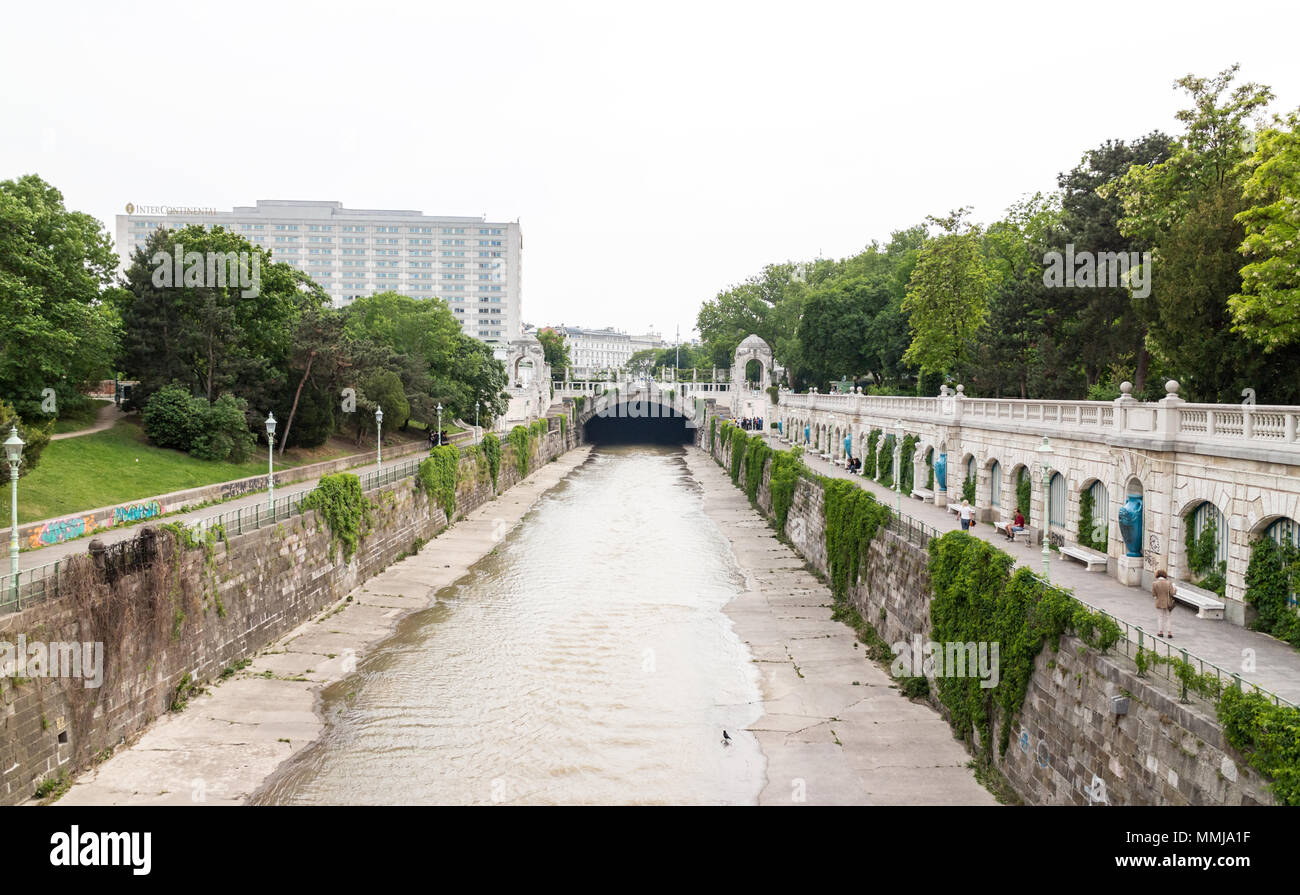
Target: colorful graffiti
[(136, 512), (60, 530)]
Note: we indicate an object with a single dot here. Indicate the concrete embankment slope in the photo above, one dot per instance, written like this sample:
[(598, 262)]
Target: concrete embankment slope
[(225, 744), (834, 730)]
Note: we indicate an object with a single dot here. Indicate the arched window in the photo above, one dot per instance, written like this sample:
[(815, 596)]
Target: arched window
[(1100, 514), (1056, 500), (1286, 531), (995, 484), (1205, 515), (970, 467)]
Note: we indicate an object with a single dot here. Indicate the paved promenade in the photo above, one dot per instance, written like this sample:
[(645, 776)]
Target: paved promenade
[(1277, 664)]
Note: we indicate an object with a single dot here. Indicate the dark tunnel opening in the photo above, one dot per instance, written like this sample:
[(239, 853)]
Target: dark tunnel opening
[(639, 428)]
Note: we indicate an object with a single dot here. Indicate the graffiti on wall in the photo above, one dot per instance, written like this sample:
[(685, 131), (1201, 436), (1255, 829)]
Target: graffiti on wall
[(59, 530), (136, 512), (1151, 559), (242, 487)]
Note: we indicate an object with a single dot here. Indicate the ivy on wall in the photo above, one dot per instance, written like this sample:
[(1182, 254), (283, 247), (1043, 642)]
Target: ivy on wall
[(1200, 555), (339, 500), (492, 451), (968, 490), (1271, 580), (886, 463), (869, 458), (1086, 523), (787, 467), (1024, 493), (1268, 736), (908, 472), (437, 477), (852, 518), (978, 600)]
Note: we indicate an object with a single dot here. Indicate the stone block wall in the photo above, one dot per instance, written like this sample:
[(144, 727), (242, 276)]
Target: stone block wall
[(188, 614), (1067, 745)]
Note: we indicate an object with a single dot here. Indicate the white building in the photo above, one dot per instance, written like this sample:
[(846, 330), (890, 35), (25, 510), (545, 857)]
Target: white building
[(594, 350), (472, 263)]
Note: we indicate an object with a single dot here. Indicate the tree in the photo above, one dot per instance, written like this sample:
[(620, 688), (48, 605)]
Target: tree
[(56, 331), (555, 350), (318, 337), (1267, 308), (947, 296), (35, 436)]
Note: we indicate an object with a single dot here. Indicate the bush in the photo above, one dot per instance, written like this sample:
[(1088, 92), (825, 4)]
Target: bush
[(223, 432), (36, 437), (172, 417), (492, 450)]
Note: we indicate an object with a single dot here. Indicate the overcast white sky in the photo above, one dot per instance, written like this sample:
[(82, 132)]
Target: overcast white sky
[(653, 154)]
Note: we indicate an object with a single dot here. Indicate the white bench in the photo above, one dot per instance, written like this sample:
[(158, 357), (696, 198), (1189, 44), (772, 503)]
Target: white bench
[(923, 494), (1091, 559), (1207, 603), (1028, 534)]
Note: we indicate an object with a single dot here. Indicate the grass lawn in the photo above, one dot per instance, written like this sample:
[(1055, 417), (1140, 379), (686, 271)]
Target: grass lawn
[(118, 466)]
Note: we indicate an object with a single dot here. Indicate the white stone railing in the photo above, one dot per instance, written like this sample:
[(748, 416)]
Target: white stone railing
[(1272, 427)]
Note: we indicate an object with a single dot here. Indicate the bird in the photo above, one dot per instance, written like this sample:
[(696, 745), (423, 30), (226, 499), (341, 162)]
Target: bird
[(726, 739)]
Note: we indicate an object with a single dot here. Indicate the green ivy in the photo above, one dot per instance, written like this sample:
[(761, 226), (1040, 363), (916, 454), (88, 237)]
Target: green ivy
[(1024, 493), (908, 472), (756, 456), (521, 439), (968, 490), (1086, 524), (564, 428), (774, 392), (492, 450), (437, 477), (886, 463), (978, 599), (1200, 555), (787, 467), (1268, 736), (339, 500), (1271, 580), (852, 518), (869, 458)]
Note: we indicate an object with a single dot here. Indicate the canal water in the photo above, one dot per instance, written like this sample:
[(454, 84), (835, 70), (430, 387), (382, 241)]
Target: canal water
[(587, 660)]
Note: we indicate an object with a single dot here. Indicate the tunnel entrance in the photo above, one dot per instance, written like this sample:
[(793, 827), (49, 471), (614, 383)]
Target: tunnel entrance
[(639, 423)]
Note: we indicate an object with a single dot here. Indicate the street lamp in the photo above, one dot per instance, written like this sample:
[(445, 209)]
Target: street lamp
[(270, 464), (379, 439), (1044, 452), (477, 405), (898, 464), (14, 453), (439, 424)]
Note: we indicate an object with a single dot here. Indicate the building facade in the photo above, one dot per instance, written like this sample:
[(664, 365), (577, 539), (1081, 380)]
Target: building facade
[(592, 351), (472, 263)]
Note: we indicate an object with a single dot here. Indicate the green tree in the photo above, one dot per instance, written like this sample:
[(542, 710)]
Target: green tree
[(948, 296), (56, 267), (1267, 309), (555, 349)]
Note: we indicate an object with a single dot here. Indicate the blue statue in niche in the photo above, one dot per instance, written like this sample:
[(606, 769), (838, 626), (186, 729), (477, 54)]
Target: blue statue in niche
[(941, 472), (807, 434), (848, 445), (1130, 525)]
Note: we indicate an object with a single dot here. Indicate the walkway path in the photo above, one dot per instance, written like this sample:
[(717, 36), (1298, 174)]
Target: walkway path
[(105, 418), (834, 729), (1277, 664)]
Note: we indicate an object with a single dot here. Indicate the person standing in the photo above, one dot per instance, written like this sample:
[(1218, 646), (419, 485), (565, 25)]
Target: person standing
[(967, 513), (1163, 589)]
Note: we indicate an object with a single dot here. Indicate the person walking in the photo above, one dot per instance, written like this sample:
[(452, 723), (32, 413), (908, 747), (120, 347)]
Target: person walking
[(1163, 589), (967, 513)]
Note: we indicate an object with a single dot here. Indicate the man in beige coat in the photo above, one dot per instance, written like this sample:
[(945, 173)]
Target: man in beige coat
[(1163, 589)]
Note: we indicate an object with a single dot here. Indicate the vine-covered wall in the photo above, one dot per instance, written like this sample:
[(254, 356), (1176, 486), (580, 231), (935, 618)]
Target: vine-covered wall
[(1063, 744)]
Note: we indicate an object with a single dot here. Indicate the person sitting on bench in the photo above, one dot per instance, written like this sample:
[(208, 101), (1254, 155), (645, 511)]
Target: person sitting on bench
[(1016, 526)]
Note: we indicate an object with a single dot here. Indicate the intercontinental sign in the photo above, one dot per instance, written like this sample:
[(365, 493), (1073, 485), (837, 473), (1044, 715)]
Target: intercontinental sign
[(132, 208)]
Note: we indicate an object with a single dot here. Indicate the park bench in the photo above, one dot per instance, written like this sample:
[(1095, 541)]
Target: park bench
[(923, 494), (1207, 603), (1091, 559), (1029, 535)]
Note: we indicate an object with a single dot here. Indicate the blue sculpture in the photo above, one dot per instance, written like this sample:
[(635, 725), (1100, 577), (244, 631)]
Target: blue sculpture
[(848, 445), (1130, 525), (807, 434), (941, 472)]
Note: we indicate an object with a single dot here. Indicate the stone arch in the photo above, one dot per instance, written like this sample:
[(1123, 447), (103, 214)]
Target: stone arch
[(996, 486), (752, 347)]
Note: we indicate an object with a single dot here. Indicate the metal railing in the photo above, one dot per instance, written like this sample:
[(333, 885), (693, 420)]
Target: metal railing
[(41, 583)]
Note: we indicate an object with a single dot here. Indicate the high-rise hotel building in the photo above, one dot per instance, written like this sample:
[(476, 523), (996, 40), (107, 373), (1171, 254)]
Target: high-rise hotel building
[(470, 262)]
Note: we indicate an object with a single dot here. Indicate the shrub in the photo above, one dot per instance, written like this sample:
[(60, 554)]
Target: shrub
[(223, 431), (172, 417), (437, 477), (340, 502), (492, 450)]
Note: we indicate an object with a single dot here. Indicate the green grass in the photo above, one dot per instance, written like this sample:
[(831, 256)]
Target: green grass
[(118, 466), (447, 426)]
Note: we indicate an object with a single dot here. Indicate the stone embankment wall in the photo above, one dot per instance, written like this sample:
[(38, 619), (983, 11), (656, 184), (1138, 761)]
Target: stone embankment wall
[(183, 615), (1066, 740)]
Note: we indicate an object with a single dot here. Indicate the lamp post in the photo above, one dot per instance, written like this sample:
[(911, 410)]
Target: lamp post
[(439, 424), (379, 439), (270, 464), (898, 464), (477, 405), (1044, 452), (14, 453)]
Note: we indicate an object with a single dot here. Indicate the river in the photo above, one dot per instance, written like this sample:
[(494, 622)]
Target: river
[(586, 660)]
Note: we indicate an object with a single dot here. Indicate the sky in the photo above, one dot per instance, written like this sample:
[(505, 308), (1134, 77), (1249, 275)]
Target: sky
[(654, 154)]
